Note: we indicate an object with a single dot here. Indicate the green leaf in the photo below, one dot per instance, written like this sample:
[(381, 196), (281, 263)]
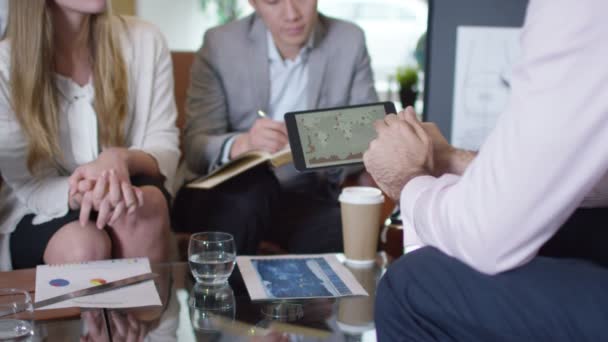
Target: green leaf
[(407, 76)]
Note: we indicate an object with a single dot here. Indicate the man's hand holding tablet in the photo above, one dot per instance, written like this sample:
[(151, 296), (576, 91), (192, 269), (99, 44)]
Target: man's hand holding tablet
[(333, 137)]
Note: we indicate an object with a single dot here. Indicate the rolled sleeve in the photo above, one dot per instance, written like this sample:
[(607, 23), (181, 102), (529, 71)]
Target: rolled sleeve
[(160, 139), (409, 196)]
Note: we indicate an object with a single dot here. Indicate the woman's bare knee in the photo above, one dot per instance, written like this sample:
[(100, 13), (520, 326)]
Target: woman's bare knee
[(75, 243), (149, 235), (155, 204)]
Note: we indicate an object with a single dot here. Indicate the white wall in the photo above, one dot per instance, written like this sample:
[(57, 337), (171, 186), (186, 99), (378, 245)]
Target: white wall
[(184, 22)]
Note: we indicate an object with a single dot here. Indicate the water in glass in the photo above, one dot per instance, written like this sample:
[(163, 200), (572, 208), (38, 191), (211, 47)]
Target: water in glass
[(212, 268), (211, 256)]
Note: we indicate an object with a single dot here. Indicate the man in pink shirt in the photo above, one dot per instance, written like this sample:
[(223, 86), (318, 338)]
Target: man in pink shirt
[(482, 219)]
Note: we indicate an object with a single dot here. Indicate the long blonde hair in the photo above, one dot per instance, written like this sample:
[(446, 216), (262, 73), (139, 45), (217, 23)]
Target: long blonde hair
[(34, 95)]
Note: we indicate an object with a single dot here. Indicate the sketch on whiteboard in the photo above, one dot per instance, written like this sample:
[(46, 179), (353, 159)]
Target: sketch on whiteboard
[(484, 61)]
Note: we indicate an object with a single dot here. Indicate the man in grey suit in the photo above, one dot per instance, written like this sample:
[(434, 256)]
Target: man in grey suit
[(284, 57)]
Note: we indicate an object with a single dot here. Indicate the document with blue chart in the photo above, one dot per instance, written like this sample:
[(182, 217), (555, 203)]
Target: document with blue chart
[(297, 277)]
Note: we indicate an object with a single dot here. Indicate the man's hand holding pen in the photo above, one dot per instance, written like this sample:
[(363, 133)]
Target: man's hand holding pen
[(265, 134)]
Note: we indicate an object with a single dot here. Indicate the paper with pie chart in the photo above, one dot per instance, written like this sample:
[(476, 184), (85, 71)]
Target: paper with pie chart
[(337, 137), (56, 280)]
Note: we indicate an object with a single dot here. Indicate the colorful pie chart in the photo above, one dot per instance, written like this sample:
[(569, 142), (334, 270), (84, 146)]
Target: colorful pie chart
[(98, 281), (59, 282)]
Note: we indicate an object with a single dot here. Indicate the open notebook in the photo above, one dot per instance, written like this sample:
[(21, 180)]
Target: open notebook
[(241, 164)]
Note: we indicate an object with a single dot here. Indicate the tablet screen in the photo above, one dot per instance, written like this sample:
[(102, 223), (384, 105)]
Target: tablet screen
[(337, 137)]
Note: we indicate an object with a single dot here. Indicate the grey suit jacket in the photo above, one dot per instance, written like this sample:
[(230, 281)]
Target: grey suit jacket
[(230, 81)]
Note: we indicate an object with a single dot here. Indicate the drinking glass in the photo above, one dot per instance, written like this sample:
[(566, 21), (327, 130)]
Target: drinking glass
[(15, 325), (211, 256)]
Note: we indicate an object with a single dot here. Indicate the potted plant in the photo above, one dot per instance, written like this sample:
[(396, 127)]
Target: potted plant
[(407, 77), (227, 10)]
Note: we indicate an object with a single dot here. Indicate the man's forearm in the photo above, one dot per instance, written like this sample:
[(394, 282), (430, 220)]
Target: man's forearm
[(454, 161), (459, 161), (446, 158)]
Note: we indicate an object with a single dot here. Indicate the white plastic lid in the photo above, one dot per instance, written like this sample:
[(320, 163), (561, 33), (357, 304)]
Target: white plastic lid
[(359, 263), (361, 195)]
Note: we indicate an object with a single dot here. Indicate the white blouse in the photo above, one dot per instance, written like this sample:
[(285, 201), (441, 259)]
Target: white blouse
[(150, 127), (79, 123)]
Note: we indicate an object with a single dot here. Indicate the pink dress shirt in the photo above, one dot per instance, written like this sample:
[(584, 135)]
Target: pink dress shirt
[(547, 155)]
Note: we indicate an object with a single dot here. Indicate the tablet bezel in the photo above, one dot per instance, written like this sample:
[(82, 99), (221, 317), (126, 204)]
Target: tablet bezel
[(294, 136)]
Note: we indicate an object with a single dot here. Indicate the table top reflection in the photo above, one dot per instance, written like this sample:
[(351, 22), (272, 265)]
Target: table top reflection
[(194, 312)]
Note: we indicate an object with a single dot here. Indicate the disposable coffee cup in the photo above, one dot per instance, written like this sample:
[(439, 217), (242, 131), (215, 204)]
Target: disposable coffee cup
[(357, 313), (361, 209)]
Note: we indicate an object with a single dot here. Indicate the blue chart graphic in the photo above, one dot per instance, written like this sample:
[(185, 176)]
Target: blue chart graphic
[(59, 282), (299, 278)]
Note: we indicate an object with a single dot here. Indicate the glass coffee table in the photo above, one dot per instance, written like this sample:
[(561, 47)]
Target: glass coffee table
[(191, 312)]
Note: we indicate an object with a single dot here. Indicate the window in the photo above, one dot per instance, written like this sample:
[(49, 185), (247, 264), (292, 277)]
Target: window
[(392, 28)]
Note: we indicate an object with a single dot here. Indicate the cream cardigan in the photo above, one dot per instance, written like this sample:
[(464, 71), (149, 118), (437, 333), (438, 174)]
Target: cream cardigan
[(150, 127)]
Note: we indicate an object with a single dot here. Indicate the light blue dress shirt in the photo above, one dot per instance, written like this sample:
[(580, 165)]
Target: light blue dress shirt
[(288, 86), (288, 81)]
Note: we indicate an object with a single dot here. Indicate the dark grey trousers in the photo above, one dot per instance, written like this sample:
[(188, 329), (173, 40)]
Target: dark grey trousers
[(561, 296), (254, 207)]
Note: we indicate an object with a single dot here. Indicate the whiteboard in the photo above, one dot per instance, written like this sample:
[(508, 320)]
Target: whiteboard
[(485, 57), (446, 17)]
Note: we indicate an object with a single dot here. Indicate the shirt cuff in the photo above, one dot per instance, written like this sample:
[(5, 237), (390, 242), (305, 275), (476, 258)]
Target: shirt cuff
[(225, 154), (409, 196)]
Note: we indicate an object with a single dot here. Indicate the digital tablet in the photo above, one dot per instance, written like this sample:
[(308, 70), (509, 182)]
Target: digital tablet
[(333, 137)]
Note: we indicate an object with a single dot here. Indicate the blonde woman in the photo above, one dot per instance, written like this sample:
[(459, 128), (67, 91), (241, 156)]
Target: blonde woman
[(88, 141)]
